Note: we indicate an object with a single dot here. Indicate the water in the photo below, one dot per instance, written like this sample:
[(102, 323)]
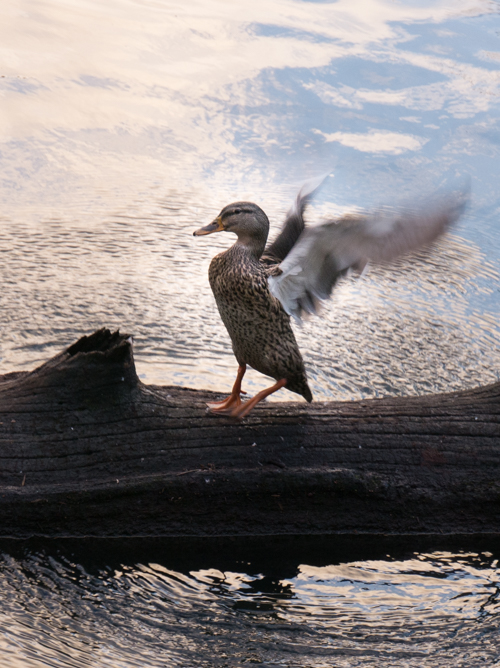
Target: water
[(335, 603), (125, 125)]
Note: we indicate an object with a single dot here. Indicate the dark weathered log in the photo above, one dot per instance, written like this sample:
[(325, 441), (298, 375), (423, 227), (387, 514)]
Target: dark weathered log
[(86, 448)]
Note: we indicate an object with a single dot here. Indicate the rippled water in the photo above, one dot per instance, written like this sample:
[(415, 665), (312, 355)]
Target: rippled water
[(347, 602), (123, 126), (126, 124)]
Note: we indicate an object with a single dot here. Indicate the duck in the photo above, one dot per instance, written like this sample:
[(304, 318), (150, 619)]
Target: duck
[(260, 287)]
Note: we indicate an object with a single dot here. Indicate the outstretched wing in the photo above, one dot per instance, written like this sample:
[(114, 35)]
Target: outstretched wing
[(294, 225), (326, 252)]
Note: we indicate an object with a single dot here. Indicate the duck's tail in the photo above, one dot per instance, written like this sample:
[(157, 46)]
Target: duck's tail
[(300, 386)]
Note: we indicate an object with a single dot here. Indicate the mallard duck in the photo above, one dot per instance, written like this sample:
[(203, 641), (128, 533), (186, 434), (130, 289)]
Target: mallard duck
[(258, 289)]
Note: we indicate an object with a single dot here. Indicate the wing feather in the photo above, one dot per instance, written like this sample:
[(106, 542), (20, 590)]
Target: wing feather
[(294, 225), (324, 253)]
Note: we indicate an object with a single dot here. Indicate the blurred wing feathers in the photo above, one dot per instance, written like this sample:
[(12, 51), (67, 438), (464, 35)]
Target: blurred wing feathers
[(294, 225), (326, 252)]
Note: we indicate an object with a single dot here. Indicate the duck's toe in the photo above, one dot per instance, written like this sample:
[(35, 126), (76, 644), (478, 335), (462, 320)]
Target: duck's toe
[(226, 405)]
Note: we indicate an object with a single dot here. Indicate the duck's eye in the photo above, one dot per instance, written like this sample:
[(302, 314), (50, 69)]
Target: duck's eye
[(236, 211)]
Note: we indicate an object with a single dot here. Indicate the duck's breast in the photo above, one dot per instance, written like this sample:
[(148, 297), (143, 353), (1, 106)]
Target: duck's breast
[(259, 327)]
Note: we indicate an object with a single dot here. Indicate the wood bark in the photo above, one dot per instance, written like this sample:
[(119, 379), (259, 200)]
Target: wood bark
[(87, 449)]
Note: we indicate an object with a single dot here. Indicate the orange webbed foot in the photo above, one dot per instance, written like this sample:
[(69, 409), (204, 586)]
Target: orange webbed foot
[(243, 409), (233, 401), (226, 405)]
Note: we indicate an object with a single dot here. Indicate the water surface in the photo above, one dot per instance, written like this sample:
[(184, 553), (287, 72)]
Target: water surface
[(312, 603), (126, 125)]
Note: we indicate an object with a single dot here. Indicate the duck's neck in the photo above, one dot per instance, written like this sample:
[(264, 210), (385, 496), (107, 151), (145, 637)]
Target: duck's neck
[(252, 245)]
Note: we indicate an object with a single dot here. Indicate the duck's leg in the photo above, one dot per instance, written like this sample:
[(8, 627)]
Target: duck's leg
[(241, 410), (233, 400)]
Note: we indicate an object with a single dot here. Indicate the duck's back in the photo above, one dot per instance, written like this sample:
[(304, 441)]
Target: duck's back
[(259, 328)]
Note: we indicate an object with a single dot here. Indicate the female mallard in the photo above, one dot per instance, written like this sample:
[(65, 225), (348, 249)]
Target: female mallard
[(258, 289)]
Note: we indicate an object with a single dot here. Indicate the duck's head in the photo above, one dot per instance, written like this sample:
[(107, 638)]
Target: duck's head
[(246, 220)]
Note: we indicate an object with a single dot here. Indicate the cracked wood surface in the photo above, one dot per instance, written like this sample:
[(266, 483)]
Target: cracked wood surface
[(87, 449)]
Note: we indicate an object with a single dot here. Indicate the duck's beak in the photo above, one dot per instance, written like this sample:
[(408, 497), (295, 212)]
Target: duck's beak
[(214, 226)]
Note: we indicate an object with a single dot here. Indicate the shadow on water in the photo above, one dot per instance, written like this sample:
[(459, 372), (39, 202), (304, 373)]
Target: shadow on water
[(274, 601), (274, 555)]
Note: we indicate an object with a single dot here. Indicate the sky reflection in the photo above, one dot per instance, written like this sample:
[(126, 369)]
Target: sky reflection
[(125, 126), (204, 82)]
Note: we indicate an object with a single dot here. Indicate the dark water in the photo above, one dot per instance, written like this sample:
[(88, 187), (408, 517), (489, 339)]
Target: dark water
[(326, 603), (123, 126)]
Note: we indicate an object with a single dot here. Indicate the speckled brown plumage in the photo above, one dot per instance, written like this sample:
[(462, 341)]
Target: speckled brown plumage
[(259, 327), (258, 288)]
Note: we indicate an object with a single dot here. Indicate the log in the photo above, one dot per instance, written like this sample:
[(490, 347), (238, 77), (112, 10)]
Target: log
[(87, 449)]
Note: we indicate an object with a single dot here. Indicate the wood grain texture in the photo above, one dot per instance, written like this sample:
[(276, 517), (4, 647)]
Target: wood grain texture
[(87, 449)]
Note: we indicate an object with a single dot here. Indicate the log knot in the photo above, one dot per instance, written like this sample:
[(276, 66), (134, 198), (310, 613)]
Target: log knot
[(97, 371), (114, 346)]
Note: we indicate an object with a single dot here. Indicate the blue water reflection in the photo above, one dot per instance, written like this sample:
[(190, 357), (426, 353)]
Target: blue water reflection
[(126, 125)]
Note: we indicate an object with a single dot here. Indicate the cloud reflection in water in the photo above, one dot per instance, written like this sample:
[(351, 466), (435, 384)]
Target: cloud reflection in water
[(126, 125)]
